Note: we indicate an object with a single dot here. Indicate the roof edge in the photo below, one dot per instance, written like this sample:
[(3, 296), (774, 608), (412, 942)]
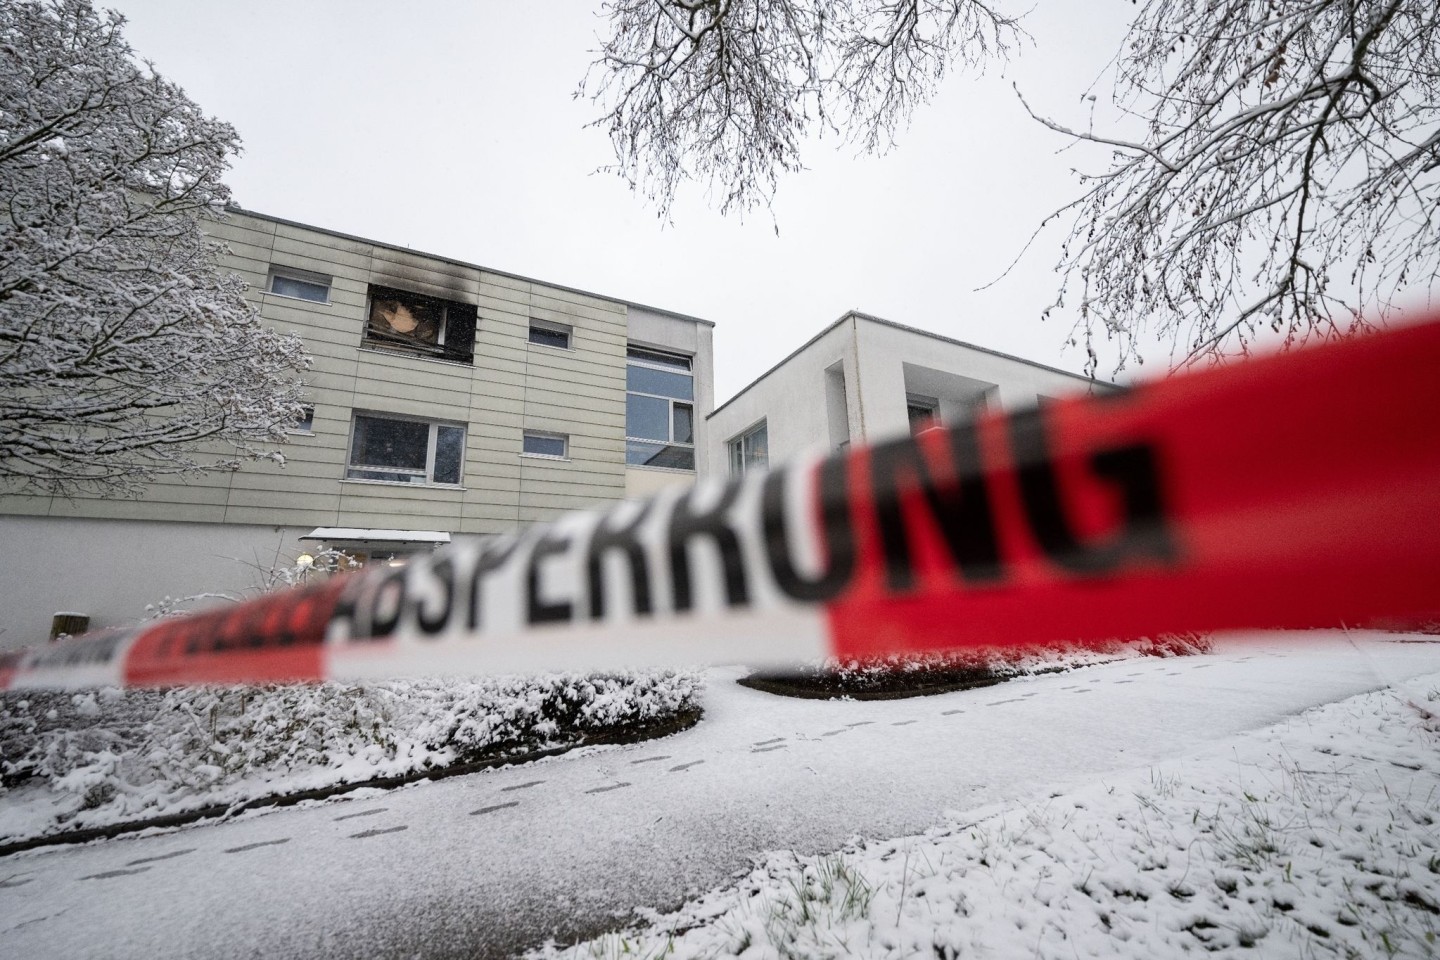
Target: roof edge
[(236, 208), (862, 315)]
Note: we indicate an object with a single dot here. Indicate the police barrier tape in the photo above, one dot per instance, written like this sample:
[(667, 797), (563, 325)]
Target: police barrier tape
[(1295, 491)]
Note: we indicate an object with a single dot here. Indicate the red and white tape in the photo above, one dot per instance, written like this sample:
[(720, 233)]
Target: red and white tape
[(1295, 491)]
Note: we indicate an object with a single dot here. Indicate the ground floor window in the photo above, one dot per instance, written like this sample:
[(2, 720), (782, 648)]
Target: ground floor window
[(404, 450), (750, 450)]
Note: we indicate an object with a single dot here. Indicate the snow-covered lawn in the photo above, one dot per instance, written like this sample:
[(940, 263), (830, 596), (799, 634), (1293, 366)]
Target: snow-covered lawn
[(71, 761), (1313, 838)]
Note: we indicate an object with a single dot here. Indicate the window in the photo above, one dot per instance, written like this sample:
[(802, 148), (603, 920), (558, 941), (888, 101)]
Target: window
[(400, 450), (750, 450), (420, 324), (299, 284), (923, 412), (659, 410), (555, 445), (548, 334), (306, 423)]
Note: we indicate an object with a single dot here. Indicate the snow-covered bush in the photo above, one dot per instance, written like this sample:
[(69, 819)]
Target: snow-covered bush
[(113, 755)]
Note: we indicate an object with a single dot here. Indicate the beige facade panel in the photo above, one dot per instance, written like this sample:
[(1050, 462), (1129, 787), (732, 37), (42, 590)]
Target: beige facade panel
[(433, 278), (559, 418), (586, 489), (446, 383), (582, 304), (329, 241), (298, 503), (308, 254), (563, 370), (515, 285)]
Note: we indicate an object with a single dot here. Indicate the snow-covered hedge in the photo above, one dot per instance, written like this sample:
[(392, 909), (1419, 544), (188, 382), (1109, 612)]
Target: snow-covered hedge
[(78, 760)]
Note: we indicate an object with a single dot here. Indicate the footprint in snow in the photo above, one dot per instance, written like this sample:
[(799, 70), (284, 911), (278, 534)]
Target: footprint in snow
[(163, 856), (362, 813), (114, 873), (256, 846)]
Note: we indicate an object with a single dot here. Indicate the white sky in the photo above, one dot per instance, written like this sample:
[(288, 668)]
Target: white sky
[(450, 127)]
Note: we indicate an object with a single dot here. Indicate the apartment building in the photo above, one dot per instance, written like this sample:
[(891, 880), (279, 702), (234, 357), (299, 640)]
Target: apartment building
[(863, 379), (447, 400)]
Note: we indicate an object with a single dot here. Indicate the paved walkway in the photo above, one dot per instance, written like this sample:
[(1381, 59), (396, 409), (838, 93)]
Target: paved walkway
[(484, 864)]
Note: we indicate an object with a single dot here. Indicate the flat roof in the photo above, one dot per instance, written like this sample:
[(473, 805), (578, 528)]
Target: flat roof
[(861, 315), (236, 208)]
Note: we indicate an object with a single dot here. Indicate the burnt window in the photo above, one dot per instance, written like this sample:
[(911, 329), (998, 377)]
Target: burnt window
[(416, 323)]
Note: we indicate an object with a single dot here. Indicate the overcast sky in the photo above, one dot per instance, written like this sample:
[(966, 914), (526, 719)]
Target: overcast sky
[(450, 127)]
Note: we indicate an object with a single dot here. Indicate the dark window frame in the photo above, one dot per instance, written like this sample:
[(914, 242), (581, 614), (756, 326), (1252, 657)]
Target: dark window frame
[(455, 320), (528, 435), (296, 275), (419, 476), (668, 448), (735, 449), (553, 329)]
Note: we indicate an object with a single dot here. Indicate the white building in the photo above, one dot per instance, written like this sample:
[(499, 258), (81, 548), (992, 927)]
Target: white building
[(448, 399), (863, 379)]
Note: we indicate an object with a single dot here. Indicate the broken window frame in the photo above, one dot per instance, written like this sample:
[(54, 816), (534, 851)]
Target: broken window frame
[(454, 321)]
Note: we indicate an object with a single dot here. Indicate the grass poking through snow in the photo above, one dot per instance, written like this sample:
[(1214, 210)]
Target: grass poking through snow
[(1315, 838)]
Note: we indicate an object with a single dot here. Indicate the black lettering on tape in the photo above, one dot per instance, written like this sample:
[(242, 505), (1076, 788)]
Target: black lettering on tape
[(960, 506), (686, 525), (1144, 530), (623, 538), (351, 605), (387, 602), (549, 543), (492, 556), (442, 572), (838, 543)]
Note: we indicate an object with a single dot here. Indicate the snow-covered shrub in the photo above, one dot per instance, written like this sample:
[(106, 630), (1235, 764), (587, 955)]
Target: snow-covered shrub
[(116, 755)]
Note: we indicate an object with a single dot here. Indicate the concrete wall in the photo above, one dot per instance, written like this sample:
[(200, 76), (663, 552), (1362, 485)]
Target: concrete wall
[(957, 373), (110, 569), (791, 399), (881, 363)]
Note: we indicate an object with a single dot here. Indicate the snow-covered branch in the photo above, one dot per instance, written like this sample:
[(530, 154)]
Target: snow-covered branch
[(723, 92), (1285, 178), (123, 348)]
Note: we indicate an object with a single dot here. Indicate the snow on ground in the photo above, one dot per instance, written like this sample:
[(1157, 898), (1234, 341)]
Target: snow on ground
[(1317, 837), (114, 756), (74, 761), (488, 864)]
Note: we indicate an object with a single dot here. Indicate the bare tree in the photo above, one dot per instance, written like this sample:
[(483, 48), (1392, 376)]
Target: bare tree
[(723, 92), (1275, 164), (123, 348), (1286, 175)]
